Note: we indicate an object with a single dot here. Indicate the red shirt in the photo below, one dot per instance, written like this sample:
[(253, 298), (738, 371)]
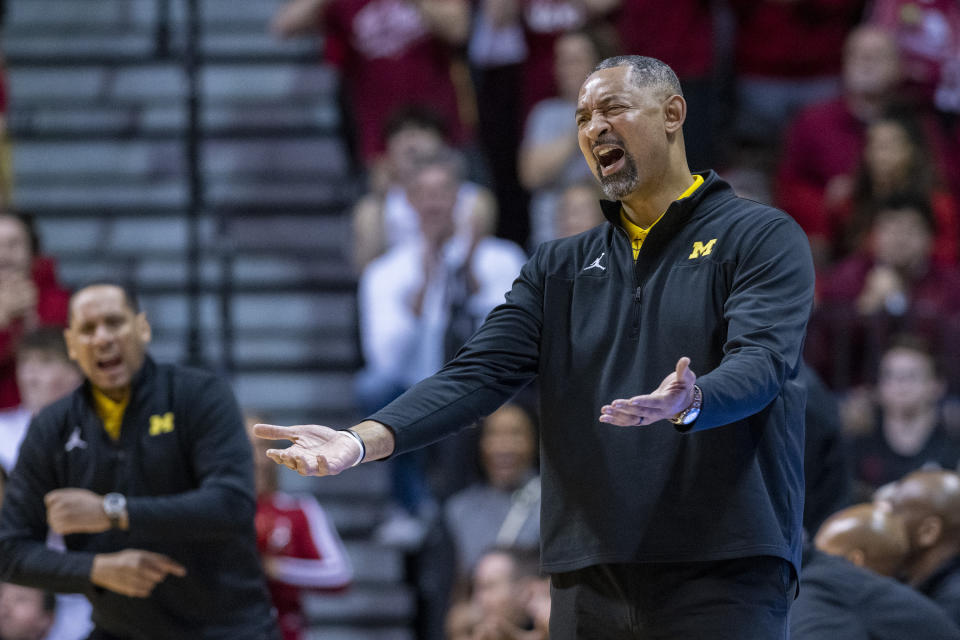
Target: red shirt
[(52, 309), (800, 39), (681, 35), (300, 550), (388, 58), (543, 22)]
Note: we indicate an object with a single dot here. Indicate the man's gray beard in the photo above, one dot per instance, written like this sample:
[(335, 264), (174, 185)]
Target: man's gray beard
[(621, 184)]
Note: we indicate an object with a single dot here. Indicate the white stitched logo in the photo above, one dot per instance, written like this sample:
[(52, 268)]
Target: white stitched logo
[(596, 263), (75, 441)]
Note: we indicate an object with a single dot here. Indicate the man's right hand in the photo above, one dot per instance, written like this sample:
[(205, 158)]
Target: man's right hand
[(133, 572)]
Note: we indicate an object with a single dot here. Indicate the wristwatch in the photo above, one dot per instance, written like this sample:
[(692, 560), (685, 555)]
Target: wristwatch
[(115, 506), (691, 413)]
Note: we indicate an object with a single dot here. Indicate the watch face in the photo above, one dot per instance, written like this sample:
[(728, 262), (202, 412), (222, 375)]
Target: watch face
[(690, 417), (114, 504)]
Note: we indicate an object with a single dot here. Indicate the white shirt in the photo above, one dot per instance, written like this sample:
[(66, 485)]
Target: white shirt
[(403, 347), (13, 428)]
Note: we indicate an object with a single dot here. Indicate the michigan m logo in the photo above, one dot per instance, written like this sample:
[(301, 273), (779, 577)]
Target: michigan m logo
[(700, 249), (161, 424)]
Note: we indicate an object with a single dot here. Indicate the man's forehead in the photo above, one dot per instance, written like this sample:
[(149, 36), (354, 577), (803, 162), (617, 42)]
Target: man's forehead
[(99, 298)]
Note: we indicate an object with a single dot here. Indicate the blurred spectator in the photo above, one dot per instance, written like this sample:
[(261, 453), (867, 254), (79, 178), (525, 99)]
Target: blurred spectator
[(908, 431), (579, 208), (928, 35), (682, 35), (389, 53), (30, 296), (504, 510), (826, 465), (44, 373), (384, 217), (896, 160), (824, 141), (496, 52), (544, 21), (840, 600), (929, 503), (298, 544), (507, 591), (867, 535), (787, 55), (25, 613), (418, 304), (550, 155), (893, 287)]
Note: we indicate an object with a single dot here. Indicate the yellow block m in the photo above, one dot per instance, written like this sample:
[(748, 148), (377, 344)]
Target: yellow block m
[(161, 424), (700, 249)]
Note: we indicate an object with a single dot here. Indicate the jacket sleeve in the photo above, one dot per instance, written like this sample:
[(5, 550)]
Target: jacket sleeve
[(766, 314), (497, 362), (24, 556), (222, 463)]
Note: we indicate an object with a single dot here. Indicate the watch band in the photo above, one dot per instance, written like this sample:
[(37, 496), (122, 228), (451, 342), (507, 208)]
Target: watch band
[(688, 415)]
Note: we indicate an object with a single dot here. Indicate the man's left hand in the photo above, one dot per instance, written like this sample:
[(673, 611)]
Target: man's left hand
[(75, 511), (673, 395)]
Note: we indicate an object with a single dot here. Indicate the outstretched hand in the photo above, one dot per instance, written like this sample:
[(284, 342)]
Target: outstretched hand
[(673, 395), (316, 450)]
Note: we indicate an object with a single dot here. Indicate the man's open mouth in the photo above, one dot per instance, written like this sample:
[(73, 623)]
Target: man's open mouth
[(110, 363), (610, 158)]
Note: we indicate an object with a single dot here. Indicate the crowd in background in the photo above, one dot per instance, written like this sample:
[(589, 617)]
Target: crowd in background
[(460, 115)]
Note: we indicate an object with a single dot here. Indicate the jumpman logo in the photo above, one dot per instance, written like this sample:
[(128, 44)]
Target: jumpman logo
[(75, 441), (596, 263)]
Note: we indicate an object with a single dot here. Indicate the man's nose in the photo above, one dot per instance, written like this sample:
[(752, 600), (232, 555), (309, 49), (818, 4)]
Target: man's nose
[(102, 334), (596, 127)]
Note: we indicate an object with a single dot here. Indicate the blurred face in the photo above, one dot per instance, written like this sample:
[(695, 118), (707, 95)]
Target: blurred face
[(15, 253), (907, 381), (888, 153), (579, 211), (106, 338), (574, 58), (433, 194), (406, 145), (901, 239), (871, 65), (494, 588), (621, 131), (22, 616), (44, 377), (507, 447)]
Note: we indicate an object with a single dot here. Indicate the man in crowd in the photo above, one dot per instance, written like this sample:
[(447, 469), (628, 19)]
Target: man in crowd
[(25, 613), (635, 466), (929, 503), (868, 536), (147, 473)]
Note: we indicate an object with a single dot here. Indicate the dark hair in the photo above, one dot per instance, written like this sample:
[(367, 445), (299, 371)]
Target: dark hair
[(919, 183), (907, 201), (647, 72), (918, 344), (48, 340), (129, 291), (414, 116)]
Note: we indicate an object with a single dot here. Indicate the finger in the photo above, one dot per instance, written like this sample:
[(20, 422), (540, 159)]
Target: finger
[(621, 420), (166, 565), (276, 455), (273, 432), (682, 365)]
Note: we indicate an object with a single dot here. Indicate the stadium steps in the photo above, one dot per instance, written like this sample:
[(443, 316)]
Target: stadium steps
[(99, 120)]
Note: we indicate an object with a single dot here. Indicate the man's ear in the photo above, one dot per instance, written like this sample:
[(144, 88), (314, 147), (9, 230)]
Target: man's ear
[(856, 556), (929, 531), (143, 327), (675, 112)]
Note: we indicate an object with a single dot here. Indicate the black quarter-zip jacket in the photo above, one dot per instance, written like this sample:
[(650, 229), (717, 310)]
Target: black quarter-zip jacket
[(185, 465), (721, 279)]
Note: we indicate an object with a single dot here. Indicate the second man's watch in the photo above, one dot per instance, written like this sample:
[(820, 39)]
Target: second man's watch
[(115, 506), (691, 413)]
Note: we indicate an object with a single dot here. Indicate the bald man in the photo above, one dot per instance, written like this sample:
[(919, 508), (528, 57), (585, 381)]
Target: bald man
[(929, 504), (868, 535)]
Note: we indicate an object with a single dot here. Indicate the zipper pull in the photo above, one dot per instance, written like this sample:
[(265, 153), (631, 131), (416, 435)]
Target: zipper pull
[(638, 294)]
